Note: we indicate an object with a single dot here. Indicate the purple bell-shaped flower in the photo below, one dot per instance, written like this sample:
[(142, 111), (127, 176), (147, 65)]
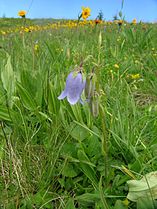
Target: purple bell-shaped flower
[(74, 87)]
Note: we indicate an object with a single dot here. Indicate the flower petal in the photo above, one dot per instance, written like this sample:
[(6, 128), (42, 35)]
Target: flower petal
[(62, 95), (75, 90), (68, 85), (73, 100), (69, 81)]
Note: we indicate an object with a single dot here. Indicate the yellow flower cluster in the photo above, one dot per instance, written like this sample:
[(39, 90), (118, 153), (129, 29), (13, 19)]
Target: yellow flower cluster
[(65, 24), (57, 25)]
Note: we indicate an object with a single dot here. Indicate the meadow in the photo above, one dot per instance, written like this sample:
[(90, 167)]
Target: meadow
[(61, 156)]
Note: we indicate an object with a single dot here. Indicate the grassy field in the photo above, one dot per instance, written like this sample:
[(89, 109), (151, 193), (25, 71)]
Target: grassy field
[(59, 156)]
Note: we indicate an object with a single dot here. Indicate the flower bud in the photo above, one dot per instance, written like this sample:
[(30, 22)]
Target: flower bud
[(91, 94), (89, 87), (100, 39), (94, 104), (68, 53)]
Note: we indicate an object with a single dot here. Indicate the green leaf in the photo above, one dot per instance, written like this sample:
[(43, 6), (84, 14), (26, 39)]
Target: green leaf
[(26, 98), (70, 204), (144, 188), (120, 14), (33, 83), (78, 132), (86, 167), (88, 197), (8, 80), (4, 113), (69, 149), (120, 205), (69, 170), (44, 116), (146, 203), (53, 103), (94, 147), (2, 145)]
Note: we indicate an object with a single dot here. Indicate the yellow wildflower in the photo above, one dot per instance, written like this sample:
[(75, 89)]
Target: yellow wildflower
[(120, 22), (134, 21), (97, 21), (3, 32), (135, 76), (85, 12), (36, 47), (26, 30), (115, 21), (126, 202), (116, 66), (22, 13)]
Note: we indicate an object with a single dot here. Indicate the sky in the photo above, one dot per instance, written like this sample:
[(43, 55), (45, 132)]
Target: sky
[(145, 10)]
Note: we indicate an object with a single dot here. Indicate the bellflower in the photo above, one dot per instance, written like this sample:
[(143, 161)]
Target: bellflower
[(74, 88)]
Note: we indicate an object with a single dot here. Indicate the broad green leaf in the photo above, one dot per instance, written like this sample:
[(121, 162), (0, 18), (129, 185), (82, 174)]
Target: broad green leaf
[(146, 203), (94, 147), (78, 132), (69, 149), (87, 168), (69, 170), (33, 83), (53, 102), (88, 197), (4, 113), (8, 80), (26, 98), (146, 187)]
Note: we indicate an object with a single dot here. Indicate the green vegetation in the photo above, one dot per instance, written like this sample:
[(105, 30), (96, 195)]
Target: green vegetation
[(55, 155)]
